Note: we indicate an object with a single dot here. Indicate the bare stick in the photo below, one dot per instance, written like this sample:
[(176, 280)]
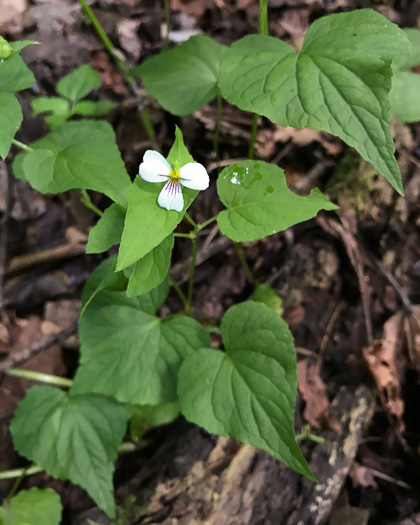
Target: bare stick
[(37, 347)]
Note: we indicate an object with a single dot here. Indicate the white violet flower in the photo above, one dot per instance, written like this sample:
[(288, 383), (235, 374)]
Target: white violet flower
[(155, 168)]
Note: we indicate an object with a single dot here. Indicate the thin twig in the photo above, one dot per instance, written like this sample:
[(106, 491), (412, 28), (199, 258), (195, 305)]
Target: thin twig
[(36, 348), (392, 281), (3, 237), (327, 335), (180, 270)]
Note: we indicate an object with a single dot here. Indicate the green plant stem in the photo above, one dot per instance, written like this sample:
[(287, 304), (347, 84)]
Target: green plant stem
[(183, 235), (127, 446), (16, 485), (100, 31), (180, 293), (191, 279), (254, 129), (217, 129), (206, 223), (39, 376), (167, 12), (212, 329), (187, 301), (264, 17), (241, 256), (20, 472), (255, 117), (86, 200), (21, 145), (191, 221), (311, 437), (109, 46), (213, 321), (147, 122)]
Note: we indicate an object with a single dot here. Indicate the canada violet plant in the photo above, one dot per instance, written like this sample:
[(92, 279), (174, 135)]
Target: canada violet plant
[(133, 362)]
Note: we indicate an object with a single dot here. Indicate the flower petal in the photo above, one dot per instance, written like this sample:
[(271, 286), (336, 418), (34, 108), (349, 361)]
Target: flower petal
[(154, 168), (194, 176), (171, 197)]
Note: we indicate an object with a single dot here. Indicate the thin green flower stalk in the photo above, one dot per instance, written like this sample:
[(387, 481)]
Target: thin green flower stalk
[(144, 113), (255, 118)]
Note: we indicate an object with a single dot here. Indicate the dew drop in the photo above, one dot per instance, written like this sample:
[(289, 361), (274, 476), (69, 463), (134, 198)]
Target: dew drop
[(234, 179)]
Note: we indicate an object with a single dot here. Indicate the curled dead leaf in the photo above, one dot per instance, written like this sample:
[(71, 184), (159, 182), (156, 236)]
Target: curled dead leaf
[(385, 361), (314, 392)]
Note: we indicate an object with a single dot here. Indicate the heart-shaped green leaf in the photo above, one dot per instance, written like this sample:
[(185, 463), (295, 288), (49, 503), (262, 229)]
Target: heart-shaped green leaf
[(259, 203), (104, 277), (72, 437), (249, 392), (147, 224), (129, 353), (405, 96), (184, 78), (79, 83), (10, 118), (32, 507), (339, 82), (411, 57), (15, 75), (108, 230), (152, 269), (82, 155)]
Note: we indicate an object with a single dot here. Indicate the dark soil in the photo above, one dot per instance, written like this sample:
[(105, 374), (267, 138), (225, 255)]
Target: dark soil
[(350, 282)]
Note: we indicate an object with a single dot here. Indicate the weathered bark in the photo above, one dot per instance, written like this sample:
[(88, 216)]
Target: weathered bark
[(201, 480)]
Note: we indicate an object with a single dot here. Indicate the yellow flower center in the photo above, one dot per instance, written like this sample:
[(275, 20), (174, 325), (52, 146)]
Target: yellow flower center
[(174, 176)]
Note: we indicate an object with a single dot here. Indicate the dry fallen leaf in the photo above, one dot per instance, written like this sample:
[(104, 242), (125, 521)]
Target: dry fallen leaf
[(314, 393), (385, 362), (362, 476), (10, 10), (194, 8), (412, 334)]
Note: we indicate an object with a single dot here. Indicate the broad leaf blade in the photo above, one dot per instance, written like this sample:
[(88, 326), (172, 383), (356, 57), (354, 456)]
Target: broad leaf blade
[(72, 437), (33, 507), (10, 118), (107, 231), (152, 269), (54, 105), (94, 109), (18, 45), (247, 393), (129, 353), (79, 83), (103, 277), (412, 56), (84, 155), (147, 224), (146, 417), (339, 83), (191, 70), (15, 75), (405, 96), (259, 202)]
